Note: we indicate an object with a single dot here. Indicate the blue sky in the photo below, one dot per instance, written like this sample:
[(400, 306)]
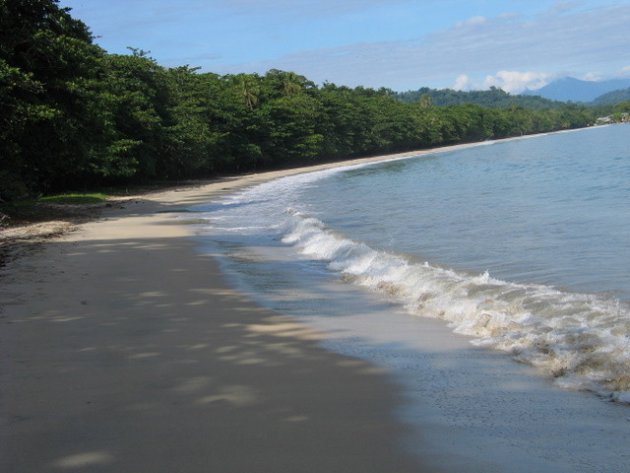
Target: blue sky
[(400, 44)]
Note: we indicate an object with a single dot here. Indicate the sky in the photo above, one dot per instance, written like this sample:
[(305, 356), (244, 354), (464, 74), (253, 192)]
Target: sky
[(398, 44)]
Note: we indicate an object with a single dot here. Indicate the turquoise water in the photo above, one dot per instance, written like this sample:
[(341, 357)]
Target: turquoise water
[(522, 245)]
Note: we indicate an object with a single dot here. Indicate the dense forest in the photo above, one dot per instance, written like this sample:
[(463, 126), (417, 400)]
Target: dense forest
[(74, 116), (614, 97), (497, 98), (493, 98)]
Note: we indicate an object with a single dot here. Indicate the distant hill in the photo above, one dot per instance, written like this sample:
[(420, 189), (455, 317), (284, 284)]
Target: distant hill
[(613, 98), (576, 90), (493, 98)]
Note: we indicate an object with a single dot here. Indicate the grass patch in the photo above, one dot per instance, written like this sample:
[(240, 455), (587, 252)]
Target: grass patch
[(92, 198), (71, 206)]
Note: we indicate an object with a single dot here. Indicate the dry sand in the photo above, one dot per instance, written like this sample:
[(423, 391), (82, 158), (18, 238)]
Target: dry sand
[(124, 350)]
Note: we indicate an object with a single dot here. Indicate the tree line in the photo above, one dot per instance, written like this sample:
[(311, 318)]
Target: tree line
[(73, 115), (492, 98)]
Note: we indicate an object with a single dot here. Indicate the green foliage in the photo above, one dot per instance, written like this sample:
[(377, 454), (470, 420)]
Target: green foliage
[(49, 72), (613, 98), (623, 107), (75, 116), (493, 98)]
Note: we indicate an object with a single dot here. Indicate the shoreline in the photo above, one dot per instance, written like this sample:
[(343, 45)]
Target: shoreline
[(124, 349), (483, 395)]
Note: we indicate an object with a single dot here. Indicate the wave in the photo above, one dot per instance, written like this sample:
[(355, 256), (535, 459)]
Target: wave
[(582, 340)]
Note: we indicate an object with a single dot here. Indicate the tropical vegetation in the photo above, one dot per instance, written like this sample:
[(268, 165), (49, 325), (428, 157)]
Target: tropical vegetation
[(76, 117)]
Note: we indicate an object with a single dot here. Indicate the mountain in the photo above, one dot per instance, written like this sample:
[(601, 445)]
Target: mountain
[(613, 98), (576, 90)]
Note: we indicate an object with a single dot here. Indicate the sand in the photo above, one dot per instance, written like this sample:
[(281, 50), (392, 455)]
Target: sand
[(124, 350)]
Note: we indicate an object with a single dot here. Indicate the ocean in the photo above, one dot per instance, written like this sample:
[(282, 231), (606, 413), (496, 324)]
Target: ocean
[(463, 272)]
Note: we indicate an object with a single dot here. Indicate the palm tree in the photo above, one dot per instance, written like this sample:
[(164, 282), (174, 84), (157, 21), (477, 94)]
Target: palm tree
[(287, 83), (249, 89)]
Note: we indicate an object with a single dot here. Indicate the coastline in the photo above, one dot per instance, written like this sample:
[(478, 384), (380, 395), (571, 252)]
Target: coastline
[(125, 350), (484, 412)]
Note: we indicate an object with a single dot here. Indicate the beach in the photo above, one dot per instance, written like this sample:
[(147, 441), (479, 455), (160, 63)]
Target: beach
[(423, 267), (125, 350), (127, 347)]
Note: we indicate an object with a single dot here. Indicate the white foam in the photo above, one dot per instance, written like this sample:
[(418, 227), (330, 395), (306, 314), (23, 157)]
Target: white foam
[(581, 340)]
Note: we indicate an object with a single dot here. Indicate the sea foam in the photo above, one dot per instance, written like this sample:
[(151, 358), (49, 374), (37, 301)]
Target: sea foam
[(580, 339)]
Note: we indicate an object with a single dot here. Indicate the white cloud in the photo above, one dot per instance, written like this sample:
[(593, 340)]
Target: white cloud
[(517, 81), (473, 21), (625, 70), (462, 83), (592, 76)]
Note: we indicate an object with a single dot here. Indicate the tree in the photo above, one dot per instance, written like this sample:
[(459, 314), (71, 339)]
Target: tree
[(290, 129), (50, 71), (74, 115), (249, 89), (283, 84)]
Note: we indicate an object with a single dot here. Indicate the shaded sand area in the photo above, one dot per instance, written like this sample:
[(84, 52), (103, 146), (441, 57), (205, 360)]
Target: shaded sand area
[(123, 350)]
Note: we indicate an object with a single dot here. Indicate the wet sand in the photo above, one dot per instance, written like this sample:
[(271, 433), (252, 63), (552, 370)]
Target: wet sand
[(124, 350)]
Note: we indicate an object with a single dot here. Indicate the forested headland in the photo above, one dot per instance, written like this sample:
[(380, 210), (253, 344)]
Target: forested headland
[(74, 116)]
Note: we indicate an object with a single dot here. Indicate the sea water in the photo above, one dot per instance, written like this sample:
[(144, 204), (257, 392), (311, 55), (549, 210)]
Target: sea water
[(519, 248)]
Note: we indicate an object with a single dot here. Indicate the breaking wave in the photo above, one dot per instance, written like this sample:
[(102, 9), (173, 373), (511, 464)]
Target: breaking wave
[(582, 340)]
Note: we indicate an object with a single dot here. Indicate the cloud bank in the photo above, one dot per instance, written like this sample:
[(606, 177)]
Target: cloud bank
[(515, 81), (510, 81)]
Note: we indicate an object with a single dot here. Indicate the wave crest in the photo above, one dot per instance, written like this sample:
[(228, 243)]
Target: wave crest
[(581, 340)]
